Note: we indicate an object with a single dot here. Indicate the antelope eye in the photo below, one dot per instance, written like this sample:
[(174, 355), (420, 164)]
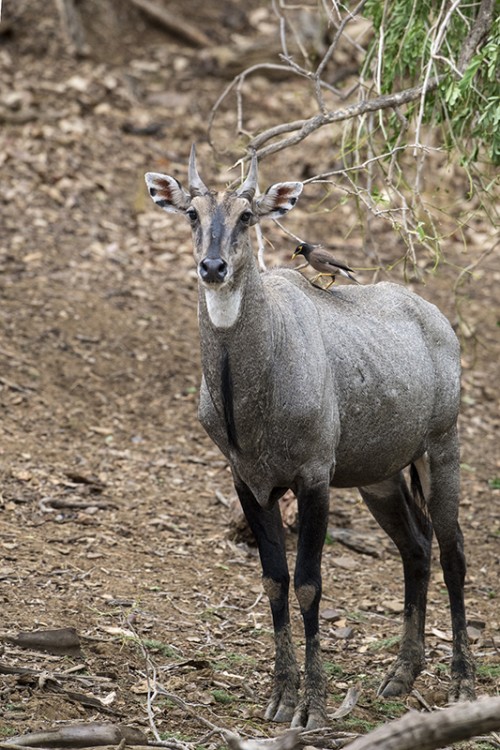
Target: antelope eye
[(246, 216), (192, 214)]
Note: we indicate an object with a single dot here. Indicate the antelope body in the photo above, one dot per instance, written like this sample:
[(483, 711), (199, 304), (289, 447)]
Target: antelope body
[(307, 389)]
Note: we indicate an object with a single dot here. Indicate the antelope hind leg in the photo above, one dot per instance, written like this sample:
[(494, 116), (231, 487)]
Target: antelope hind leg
[(443, 508), (394, 508)]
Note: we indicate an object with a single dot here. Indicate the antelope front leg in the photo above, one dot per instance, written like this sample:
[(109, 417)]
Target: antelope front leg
[(313, 519), (285, 693), (267, 527)]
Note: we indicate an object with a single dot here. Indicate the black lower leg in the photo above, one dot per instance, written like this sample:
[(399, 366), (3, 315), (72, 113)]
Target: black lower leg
[(462, 665), (398, 514), (443, 507), (267, 527), (313, 518)]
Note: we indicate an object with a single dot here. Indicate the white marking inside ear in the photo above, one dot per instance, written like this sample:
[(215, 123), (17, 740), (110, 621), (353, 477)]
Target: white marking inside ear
[(223, 306), (278, 200)]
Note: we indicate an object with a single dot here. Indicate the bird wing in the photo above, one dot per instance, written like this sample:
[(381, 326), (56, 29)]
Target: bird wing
[(323, 256)]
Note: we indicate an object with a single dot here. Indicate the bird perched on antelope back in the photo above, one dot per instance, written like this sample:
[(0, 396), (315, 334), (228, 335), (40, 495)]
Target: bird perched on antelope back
[(323, 261)]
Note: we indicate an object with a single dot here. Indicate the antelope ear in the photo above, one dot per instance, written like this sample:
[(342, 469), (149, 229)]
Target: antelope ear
[(278, 200), (167, 192)]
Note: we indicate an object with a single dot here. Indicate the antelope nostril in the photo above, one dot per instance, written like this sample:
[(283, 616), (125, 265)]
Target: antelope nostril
[(213, 270)]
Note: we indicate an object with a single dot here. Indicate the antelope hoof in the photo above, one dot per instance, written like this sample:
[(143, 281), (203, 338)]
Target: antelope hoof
[(462, 689), (309, 716), (463, 672), (394, 687), (282, 705), (399, 681)]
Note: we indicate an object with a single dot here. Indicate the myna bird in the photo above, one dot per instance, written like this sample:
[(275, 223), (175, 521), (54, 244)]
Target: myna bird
[(323, 262)]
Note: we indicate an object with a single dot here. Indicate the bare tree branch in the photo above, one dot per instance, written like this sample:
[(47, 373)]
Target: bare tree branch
[(306, 127), (375, 173), (478, 32)]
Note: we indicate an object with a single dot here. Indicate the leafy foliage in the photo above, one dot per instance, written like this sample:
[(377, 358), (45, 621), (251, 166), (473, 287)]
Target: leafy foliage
[(415, 38)]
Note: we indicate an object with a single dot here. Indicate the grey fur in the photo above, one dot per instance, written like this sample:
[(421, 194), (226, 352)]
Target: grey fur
[(341, 389), (329, 384)]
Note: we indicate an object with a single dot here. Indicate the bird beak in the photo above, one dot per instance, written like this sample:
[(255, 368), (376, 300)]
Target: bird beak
[(295, 255)]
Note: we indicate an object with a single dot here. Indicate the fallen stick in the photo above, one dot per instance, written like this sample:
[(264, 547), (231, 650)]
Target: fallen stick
[(55, 641), (414, 731), (418, 731), (348, 703), (173, 24), (67, 675), (79, 735)]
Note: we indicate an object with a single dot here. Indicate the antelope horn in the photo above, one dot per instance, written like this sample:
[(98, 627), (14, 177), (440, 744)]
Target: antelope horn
[(196, 184), (247, 190)]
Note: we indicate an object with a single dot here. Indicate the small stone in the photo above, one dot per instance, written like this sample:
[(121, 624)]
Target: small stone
[(331, 615), (342, 633)]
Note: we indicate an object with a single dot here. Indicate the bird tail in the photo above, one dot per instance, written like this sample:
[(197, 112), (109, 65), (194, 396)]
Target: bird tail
[(348, 275)]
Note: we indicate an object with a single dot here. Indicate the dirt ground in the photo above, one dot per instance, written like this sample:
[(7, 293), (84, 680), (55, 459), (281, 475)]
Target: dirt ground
[(114, 504)]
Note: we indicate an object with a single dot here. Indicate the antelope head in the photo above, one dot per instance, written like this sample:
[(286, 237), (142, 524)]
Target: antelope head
[(220, 222)]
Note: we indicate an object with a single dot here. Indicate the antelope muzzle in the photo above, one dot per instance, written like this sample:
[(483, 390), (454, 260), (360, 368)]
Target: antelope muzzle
[(212, 270)]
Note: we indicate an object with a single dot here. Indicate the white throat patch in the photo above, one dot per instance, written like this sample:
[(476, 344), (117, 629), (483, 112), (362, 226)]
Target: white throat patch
[(223, 306)]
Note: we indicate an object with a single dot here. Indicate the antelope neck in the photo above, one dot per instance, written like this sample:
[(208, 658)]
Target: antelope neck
[(235, 347)]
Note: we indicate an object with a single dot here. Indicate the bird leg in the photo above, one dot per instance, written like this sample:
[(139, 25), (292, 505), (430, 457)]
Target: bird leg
[(318, 275)]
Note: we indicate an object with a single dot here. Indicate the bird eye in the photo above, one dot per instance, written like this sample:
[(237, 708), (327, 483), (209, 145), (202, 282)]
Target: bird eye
[(246, 216), (192, 214)]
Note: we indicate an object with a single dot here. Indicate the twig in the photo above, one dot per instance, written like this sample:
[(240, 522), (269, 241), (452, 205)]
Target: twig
[(328, 54), (238, 82), (72, 26), (468, 269), (436, 44), (15, 387), (85, 679), (189, 710), (155, 689), (288, 232), (418, 695), (222, 499), (363, 165)]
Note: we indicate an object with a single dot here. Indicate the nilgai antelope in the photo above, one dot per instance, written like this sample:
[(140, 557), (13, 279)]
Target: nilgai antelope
[(308, 389)]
